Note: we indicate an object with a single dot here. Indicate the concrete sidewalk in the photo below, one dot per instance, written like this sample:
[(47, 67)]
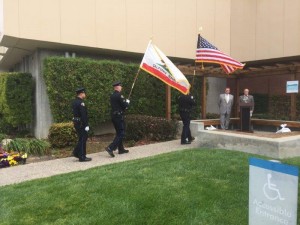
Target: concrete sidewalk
[(17, 174)]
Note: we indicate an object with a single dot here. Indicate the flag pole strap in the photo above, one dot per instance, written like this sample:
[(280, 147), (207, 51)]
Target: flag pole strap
[(134, 82)]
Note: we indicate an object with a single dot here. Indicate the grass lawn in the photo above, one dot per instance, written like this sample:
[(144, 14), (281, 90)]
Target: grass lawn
[(207, 187)]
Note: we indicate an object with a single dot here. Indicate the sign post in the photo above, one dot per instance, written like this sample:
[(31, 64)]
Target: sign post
[(273, 193)]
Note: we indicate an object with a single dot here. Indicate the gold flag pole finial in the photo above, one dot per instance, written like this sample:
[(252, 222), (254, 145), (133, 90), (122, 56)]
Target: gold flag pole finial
[(200, 29)]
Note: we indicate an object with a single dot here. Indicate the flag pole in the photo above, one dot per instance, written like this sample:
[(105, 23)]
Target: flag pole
[(134, 82), (200, 29), (193, 77), (195, 64)]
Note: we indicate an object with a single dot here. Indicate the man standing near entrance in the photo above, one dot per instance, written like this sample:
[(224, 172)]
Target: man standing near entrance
[(118, 105), (225, 104)]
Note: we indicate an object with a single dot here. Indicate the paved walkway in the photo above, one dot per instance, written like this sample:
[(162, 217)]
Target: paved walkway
[(21, 173)]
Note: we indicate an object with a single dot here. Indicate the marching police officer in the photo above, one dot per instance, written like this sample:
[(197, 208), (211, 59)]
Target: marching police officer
[(118, 105), (186, 102), (80, 120)]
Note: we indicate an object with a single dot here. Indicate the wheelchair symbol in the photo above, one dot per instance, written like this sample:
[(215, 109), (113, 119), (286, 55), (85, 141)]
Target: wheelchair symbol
[(270, 190)]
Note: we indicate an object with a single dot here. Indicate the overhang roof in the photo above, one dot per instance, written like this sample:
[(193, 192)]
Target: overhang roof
[(13, 50), (17, 48)]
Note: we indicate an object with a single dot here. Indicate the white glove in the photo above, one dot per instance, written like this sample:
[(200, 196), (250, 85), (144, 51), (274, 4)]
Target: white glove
[(251, 113), (87, 128), (128, 101)]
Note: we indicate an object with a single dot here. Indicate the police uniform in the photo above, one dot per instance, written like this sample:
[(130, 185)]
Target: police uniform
[(118, 106), (81, 125), (186, 102)]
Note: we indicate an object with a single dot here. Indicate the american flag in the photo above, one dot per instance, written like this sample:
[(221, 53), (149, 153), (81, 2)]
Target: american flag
[(206, 52)]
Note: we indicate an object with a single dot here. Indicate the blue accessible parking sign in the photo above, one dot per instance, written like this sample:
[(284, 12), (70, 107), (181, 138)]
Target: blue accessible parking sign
[(273, 193)]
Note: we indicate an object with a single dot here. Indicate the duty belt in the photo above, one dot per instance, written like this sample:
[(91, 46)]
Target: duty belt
[(76, 119), (117, 113), (185, 110)]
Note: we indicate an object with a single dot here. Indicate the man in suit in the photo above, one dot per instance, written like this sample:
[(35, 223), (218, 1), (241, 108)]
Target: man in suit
[(225, 104), (246, 98)]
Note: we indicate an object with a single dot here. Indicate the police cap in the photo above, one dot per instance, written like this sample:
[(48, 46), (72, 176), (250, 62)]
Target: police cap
[(117, 83), (80, 90)]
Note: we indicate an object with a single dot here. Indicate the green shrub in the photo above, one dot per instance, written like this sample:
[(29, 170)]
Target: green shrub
[(62, 135), (18, 144), (16, 97), (279, 107), (5, 127), (2, 136), (30, 146), (261, 103), (261, 116), (212, 116), (38, 147), (64, 75), (139, 127)]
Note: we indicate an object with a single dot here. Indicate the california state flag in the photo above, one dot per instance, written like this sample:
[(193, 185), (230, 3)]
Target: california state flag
[(157, 64)]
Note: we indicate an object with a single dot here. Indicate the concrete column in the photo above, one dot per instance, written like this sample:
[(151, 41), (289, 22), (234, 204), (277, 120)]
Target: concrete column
[(43, 117), (216, 86)]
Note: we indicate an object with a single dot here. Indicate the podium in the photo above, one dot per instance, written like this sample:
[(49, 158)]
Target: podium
[(245, 119)]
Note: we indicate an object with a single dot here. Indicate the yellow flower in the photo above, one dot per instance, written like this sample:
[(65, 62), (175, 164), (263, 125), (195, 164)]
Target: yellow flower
[(13, 162)]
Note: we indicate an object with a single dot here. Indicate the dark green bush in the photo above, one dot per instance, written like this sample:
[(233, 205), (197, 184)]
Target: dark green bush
[(140, 127), (2, 136), (16, 99), (212, 116), (31, 146), (62, 135), (261, 103), (261, 116), (5, 127), (279, 107), (64, 75)]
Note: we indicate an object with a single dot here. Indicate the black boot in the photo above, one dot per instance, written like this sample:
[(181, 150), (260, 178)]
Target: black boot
[(109, 151), (86, 159), (123, 151)]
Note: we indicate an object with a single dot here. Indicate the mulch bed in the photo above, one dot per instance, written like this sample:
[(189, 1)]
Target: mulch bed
[(94, 144)]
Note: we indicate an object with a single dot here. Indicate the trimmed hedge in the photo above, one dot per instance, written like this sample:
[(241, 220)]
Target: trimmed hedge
[(64, 75), (16, 97), (140, 127), (2, 136), (62, 135)]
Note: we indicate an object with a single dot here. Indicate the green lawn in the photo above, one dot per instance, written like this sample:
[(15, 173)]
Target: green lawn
[(208, 187)]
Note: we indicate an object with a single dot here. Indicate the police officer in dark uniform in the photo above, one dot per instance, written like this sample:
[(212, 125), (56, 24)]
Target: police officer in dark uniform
[(118, 105), (186, 103), (80, 120)]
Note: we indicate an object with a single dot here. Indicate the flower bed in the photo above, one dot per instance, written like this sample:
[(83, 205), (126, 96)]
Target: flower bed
[(8, 159)]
